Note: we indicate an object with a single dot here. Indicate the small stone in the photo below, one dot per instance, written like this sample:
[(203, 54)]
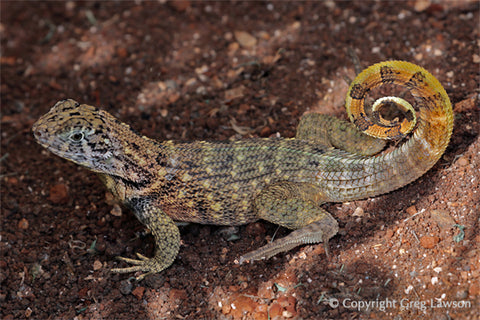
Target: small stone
[(245, 39), (59, 194), (241, 306), (429, 242), (138, 292), (265, 132), (443, 219), (28, 312), (474, 289), (97, 265), (234, 93), (275, 310), (411, 210), (226, 308), (12, 180), (122, 52), (23, 224), (466, 105), (232, 48), (180, 5), (421, 5), (461, 294), (476, 58), (359, 212), (462, 161), (265, 290), (163, 112), (116, 210)]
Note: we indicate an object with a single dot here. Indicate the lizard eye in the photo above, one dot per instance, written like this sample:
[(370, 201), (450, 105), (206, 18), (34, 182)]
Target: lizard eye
[(76, 137)]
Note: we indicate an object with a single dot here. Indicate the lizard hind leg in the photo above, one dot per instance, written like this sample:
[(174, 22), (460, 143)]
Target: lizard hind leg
[(294, 206), (333, 132)]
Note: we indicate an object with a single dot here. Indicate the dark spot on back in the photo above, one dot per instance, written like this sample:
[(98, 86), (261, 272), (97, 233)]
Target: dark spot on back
[(135, 146), (417, 80), (318, 150), (387, 74), (361, 123), (161, 160), (358, 92)]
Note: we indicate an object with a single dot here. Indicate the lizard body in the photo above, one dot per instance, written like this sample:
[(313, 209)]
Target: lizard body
[(283, 181)]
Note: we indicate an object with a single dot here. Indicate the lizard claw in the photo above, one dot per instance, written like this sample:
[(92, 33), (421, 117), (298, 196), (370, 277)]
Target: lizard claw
[(143, 263)]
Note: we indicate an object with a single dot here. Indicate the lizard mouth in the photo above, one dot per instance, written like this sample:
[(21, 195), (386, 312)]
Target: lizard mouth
[(38, 132)]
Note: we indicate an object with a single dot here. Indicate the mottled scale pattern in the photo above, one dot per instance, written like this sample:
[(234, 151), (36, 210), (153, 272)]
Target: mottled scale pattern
[(284, 181)]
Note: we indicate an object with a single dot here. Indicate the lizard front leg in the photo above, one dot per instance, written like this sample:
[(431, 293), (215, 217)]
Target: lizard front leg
[(167, 239), (294, 206)]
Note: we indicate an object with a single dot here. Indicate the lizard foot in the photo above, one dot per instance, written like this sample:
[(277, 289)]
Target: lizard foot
[(148, 265), (319, 231)]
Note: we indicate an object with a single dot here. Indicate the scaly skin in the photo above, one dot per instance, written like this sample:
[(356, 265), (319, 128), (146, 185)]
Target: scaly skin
[(283, 181)]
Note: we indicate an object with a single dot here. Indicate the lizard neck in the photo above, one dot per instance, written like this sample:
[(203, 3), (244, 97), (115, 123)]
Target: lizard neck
[(133, 157)]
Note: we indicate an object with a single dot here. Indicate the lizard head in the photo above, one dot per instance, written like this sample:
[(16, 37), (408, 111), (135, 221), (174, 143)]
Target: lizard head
[(82, 134)]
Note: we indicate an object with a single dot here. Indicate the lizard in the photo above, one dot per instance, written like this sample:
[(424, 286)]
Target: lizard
[(281, 180)]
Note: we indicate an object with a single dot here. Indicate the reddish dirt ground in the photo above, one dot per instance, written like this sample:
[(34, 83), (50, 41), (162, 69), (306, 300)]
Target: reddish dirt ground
[(217, 70)]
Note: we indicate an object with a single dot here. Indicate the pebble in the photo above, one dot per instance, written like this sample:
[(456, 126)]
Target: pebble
[(275, 310), (476, 58), (234, 93), (116, 210), (59, 194), (359, 212), (429, 242), (180, 5), (242, 305), (443, 219), (466, 105), (411, 210), (23, 224), (461, 294), (288, 303), (474, 289), (265, 290), (421, 5), (97, 265), (462, 161), (245, 39), (138, 292)]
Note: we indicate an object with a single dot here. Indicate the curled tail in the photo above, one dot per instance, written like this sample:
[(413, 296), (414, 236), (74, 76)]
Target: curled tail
[(431, 125)]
